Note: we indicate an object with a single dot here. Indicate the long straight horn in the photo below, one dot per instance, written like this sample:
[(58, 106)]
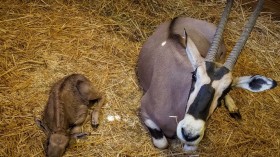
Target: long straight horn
[(231, 60), (219, 32)]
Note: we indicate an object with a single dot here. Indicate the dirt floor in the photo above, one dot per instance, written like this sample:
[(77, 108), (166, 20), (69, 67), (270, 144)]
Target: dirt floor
[(42, 41)]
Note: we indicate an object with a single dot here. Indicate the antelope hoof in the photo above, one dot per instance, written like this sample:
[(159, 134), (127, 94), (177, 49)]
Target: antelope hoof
[(236, 115)]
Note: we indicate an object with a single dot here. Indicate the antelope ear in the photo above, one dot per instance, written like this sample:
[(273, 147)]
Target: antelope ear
[(256, 83), (183, 40), (192, 52)]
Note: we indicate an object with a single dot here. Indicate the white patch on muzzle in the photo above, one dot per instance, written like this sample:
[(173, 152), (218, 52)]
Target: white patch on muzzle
[(192, 127), (188, 148)]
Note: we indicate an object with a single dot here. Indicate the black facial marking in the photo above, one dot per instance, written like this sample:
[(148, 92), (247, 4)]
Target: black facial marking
[(225, 92), (257, 83), (194, 76), (193, 81), (215, 74), (220, 73), (202, 103), (200, 107), (189, 137), (157, 134), (210, 67)]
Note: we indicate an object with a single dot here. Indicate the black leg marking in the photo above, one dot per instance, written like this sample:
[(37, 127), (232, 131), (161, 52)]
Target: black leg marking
[(157, 134)]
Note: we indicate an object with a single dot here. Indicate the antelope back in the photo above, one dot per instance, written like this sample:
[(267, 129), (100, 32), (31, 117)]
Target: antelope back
[(200, 32)]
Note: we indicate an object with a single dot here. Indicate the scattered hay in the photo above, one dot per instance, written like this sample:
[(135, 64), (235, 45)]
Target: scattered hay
[(41, 41)]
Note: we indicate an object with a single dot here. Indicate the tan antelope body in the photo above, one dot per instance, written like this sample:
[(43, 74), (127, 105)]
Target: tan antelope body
[(66, 111), (182, 82)]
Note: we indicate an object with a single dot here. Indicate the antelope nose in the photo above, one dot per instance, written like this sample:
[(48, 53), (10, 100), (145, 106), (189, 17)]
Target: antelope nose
[(189, 137)]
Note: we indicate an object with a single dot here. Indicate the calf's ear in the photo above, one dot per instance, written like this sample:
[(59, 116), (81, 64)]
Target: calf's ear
[(255, 83), (41, 125)]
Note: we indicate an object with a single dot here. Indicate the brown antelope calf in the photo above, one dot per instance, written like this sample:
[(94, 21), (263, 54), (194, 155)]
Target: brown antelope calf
[(180, 78), (66, 111)]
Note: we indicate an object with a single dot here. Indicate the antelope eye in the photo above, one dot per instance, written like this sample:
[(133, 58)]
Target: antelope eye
[(194, 76)]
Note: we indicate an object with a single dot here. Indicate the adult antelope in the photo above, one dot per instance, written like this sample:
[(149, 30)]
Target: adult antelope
[(180, 78)]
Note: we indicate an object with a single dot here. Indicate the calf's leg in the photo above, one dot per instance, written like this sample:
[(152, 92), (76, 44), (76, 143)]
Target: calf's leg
[(76, 132), (232, 108), (95, 113)]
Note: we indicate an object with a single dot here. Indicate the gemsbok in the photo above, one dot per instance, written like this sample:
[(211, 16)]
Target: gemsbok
[(182, 80)]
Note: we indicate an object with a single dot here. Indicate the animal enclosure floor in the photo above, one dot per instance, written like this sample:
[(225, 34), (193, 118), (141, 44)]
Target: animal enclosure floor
[(42, 41)]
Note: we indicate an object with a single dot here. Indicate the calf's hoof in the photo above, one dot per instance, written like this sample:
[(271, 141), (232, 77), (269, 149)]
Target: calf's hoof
[(95, 126), (81, 135), (236, 115)]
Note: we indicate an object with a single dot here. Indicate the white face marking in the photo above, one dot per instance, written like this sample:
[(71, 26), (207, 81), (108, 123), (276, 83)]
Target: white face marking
[(188, 148), (219, 86), (201, 79), (163, 43), (192, 127)]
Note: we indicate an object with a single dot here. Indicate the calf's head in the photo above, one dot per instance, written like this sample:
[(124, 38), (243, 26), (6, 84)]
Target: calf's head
[(212, 81), (56, 142)]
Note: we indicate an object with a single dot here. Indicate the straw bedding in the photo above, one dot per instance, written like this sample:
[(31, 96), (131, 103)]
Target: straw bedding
[(41, 41)]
